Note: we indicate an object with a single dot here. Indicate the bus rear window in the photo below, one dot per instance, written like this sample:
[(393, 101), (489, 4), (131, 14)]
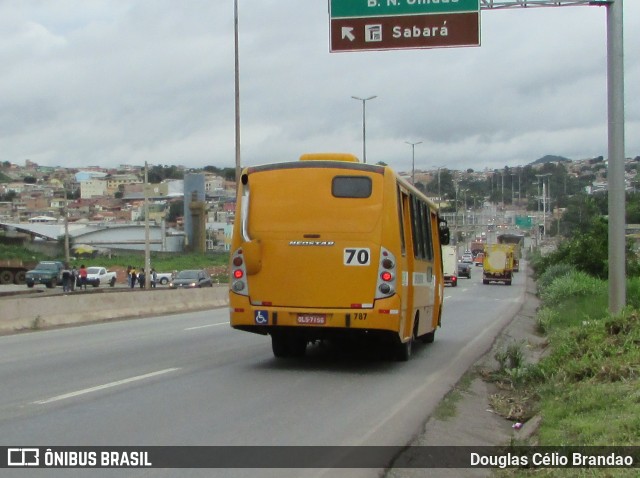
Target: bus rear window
[(351, 187)]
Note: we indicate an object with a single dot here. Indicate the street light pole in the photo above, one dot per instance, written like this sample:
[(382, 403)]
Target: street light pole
[(364, 125), (237, 90), (413, 161), (439, 193)]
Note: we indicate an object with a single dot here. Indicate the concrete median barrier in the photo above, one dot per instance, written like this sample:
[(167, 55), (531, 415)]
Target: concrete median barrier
[(31, 313)]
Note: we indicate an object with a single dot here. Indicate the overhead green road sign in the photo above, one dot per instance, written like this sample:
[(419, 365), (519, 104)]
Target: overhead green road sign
[(380, 8)]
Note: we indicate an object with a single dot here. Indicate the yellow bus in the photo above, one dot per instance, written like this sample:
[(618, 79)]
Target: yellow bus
[(328, 247)]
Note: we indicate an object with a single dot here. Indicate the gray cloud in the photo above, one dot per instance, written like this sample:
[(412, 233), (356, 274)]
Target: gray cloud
[(108, 83)]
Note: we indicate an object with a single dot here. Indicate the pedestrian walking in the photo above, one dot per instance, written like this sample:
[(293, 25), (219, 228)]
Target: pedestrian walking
[(141, 278), (133, 276), (82, 273), (74, 278), (66, 278), (154, 278)]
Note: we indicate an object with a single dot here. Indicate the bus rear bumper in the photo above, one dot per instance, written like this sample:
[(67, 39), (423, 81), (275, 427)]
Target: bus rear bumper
[(315, 324)]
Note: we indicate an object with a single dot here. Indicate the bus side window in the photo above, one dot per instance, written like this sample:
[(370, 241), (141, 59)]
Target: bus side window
[(401, 203), (428, 229), (418, 229)]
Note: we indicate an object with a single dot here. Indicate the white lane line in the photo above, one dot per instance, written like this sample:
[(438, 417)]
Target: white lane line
[(105, 386), (205, 326)]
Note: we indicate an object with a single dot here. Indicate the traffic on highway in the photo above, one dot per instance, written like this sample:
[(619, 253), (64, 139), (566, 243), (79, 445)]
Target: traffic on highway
[(190, 379)]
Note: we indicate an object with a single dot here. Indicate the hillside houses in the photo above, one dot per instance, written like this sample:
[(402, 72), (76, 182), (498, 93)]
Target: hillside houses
[(116, 195), (100, 195)]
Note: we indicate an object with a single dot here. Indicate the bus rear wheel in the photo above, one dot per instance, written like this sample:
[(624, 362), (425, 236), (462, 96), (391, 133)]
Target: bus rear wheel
[(285, 345), (403, 350)]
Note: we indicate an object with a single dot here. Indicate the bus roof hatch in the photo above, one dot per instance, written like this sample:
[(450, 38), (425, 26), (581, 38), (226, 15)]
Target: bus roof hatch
[(347, 157)]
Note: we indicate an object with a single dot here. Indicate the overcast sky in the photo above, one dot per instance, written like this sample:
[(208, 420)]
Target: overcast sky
[(110, 82)]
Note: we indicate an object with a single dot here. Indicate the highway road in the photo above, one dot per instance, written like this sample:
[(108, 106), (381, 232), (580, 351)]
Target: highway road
[(190, 379)]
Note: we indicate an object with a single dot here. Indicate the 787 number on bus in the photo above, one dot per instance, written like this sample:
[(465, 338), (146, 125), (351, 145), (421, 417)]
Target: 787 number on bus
[(357, 256)]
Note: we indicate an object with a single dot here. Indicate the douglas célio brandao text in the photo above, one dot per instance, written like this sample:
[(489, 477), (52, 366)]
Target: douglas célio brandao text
[(551, 459)]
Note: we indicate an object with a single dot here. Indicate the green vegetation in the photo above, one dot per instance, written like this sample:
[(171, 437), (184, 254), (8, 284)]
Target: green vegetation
[(587, 251), (587, 388), (447, 407), (8, 251), (164, 262)]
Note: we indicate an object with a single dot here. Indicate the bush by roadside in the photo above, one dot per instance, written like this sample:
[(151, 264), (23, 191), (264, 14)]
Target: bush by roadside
[(586, 389)]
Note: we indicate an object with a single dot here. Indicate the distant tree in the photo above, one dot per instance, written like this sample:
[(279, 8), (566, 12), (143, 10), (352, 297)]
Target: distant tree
[(157, 174), (633, 208), (588, 251), (229, 174), (176, 209), (30, 180), (8, 197)]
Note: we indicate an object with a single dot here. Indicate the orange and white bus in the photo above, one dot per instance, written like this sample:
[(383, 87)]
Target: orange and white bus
[(328, 247)]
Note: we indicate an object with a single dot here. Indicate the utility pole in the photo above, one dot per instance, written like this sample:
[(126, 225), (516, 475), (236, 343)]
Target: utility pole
[(66, 228), (615, 178), (147, 252)]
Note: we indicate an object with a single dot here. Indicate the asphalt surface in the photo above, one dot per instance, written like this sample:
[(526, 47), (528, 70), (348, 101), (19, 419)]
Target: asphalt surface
[(191, 380)]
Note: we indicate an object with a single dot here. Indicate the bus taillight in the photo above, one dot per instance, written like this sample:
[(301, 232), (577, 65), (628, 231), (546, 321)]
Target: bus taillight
[(239, 283), (386, 276), (386, 284)]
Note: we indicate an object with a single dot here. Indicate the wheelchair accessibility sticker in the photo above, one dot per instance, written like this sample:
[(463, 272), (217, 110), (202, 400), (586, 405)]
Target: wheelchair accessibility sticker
[(261, 317)]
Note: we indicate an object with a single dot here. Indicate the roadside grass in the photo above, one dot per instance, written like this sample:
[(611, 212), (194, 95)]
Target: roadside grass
[(165, 262), (10, 251), (214, 263), (587, 389), (591, 414), (446, 409)]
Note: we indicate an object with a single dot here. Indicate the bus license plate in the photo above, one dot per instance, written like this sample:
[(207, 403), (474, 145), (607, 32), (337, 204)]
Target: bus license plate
[(312, 319)]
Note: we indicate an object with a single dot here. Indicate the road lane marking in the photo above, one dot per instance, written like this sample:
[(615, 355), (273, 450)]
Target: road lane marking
[(205, 326), (103, 387)]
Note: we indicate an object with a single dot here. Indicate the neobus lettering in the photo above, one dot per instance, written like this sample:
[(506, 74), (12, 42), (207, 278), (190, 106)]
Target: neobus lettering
[(311, 243), (417, 32)]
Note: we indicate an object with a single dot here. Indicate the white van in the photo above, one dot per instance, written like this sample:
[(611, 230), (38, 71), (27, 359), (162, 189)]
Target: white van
[(450, 265)]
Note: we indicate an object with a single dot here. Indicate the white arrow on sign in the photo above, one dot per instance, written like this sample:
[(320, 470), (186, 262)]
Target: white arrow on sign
[(347, 33)]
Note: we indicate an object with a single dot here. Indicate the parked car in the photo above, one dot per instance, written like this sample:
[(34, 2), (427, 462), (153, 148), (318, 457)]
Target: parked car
[(164, 278), (464, 270), (190, 279), (100, 275), (48, 273)]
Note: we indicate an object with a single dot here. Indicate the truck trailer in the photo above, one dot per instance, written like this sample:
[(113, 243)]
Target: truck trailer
[(498, 263)]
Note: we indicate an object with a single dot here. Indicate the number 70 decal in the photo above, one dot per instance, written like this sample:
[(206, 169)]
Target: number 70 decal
[(357, 257)]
